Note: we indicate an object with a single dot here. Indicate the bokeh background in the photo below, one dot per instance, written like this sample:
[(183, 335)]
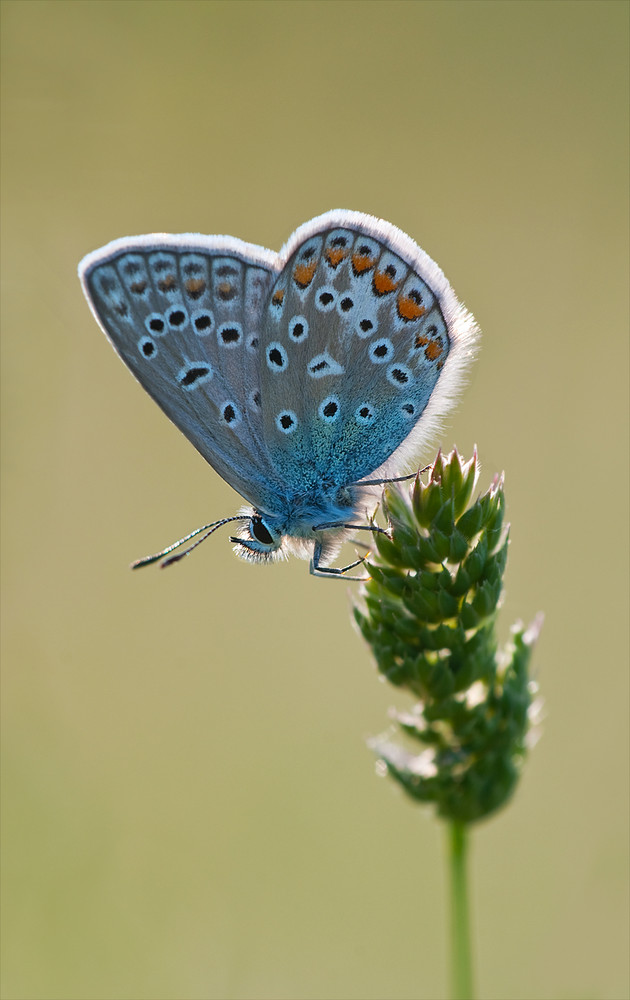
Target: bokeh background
[(190, 810)]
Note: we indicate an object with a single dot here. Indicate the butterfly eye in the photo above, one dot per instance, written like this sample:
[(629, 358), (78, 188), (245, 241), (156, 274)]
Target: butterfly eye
[(259, 531)]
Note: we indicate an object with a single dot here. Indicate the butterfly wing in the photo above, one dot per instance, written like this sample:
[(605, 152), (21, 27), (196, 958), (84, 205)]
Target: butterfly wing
[(183, 313), (363, 349)]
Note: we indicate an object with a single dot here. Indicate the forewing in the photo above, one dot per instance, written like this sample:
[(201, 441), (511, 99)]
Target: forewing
[(363, 348), (183, 312)]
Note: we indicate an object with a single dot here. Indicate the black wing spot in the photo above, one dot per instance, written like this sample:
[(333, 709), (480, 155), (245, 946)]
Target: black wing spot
[(194, 374), (157, 325), (346, 304), (230, 335), (177, 317), (203, 322), (286, 421), (148, 348), (364, 414), (276, 357)]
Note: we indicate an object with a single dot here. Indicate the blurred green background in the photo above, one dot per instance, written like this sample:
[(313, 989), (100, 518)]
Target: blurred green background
[(190, 810)]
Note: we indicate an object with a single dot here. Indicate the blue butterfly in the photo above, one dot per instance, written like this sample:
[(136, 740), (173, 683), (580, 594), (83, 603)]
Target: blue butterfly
[(307, 378)]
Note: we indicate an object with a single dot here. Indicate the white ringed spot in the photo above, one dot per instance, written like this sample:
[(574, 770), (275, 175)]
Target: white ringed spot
[(381, 351), (366, 327), (298, 329), (177, 318), (194, 374), (231, 414), (203, 322), (365, 414), (277, 359), (400, 376), (345, 304), (324, 364), (329, 409), (286, 421), (147, 348), (155, 324), (325, 298), (229, 335)]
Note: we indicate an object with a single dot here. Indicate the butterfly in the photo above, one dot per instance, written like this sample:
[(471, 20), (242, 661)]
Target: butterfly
[(306, 378)]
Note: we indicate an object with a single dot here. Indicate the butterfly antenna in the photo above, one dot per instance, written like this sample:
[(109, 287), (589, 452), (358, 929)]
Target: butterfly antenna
[(208, 528)]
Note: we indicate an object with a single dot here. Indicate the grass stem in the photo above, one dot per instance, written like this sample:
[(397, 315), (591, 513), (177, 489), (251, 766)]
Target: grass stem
[(461, 960)]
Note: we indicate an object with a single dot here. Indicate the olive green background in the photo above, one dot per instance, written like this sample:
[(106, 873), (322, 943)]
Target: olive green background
[(190, 810)]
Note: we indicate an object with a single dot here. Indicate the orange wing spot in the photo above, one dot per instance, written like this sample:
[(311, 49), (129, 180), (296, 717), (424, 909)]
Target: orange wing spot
[(420, 341), (433, 351), (138, 287), (303, 274), (277, 297), (334, 256), (409, 309), (362, 262), (226, 291), (168, 283), (195, 287), (439, 365), (383, 283)]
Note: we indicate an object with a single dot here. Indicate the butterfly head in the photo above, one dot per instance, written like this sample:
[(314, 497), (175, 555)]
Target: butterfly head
[(260, 539)]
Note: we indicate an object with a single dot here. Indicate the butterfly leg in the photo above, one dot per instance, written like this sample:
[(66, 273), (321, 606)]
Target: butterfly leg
[(395, 479), (374, 528), (334, 572)]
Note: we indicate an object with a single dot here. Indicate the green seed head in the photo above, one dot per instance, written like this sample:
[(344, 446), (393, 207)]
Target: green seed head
[(429, 612)]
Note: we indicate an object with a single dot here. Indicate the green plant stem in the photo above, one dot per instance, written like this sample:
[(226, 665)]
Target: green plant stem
[(461, 961)]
